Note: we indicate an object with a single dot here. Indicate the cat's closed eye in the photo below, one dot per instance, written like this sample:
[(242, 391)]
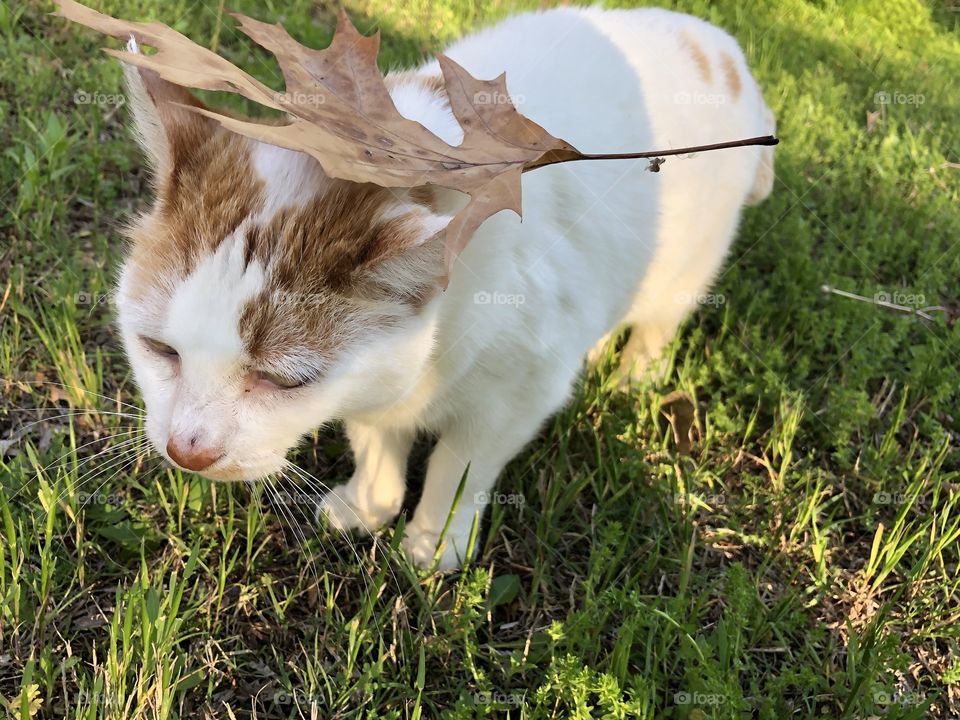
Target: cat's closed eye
[(160, 348), (280, 381)]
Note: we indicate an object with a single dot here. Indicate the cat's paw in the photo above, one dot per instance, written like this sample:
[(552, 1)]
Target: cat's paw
[(344, 512), (420, 545), (633, 372)]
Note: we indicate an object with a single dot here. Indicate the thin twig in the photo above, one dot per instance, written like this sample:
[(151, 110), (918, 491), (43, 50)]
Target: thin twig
[(553, 159), (921, 312)]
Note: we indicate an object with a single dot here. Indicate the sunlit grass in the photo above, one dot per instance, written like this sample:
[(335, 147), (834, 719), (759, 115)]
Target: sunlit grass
[(802, 562)]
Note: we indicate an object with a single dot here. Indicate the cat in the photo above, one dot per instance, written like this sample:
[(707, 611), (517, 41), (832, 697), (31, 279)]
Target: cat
[(260, 299)]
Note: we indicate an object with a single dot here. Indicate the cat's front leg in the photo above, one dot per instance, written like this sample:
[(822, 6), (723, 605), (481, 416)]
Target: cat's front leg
[(374, 494), (486, 446), (447, 464)]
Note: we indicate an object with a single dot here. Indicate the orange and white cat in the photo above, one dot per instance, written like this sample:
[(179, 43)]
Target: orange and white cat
[(261, 299)]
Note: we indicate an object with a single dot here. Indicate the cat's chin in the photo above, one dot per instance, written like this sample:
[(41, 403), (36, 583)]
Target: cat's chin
[(237, 472)]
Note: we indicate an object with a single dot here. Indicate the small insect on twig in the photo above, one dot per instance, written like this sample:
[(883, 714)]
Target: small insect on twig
[(655, 164)]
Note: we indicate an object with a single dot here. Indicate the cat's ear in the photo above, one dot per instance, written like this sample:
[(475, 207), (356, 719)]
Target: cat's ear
[(407, 257), (167, 132)]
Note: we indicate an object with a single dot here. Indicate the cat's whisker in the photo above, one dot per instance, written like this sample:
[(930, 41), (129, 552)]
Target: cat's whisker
[(298, 493), (305, 476), (130, 449), (137, 440), (136, 432), (324, 490), (119, 470), (312, 481), (278, 503), (290, 515), (121, 462), (139, 435), (21, 431), (85, 391), (75, 410), (256, 495), (135, 444)]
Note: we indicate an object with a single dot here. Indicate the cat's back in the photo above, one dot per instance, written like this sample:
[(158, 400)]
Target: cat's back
[(593, 232), (608, 79)]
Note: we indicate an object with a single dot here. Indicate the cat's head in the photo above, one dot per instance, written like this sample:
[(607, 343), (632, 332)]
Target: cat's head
[(260, 298)]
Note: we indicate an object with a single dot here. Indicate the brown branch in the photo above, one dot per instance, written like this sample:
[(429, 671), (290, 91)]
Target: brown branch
[(552, 158)]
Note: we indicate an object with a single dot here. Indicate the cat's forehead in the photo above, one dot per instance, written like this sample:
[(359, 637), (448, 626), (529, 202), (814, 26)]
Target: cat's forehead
[(251, 248), (280, 197), (201, 316), (230, 308)]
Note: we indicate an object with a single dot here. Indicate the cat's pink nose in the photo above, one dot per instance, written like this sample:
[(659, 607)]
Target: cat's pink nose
[(190, 454)]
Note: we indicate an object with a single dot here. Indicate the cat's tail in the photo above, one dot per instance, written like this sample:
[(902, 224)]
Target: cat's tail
[(763, 181)]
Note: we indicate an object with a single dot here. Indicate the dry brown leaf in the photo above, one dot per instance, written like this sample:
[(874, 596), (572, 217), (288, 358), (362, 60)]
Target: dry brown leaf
[(348, 121), (341, 113), (679, 410)]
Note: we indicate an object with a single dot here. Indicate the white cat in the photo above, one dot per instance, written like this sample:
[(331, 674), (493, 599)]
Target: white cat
[(260, 299)]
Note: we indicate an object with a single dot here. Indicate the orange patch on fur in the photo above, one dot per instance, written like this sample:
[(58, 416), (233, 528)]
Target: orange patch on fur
[(424, 195), (329, 239), (335, 266), (734, 84), (321, 259), (699, 56), (207, 195)]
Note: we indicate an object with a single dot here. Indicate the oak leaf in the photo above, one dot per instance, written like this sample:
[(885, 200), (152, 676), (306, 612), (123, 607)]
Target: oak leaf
[(340, 112), (680, 412), (348, 121)]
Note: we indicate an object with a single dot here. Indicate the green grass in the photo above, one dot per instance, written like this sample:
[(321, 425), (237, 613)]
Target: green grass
[(802, 562)]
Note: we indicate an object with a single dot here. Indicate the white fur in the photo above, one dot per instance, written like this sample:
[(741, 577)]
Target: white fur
[(600, 244), (417, 102), (291, 178)]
